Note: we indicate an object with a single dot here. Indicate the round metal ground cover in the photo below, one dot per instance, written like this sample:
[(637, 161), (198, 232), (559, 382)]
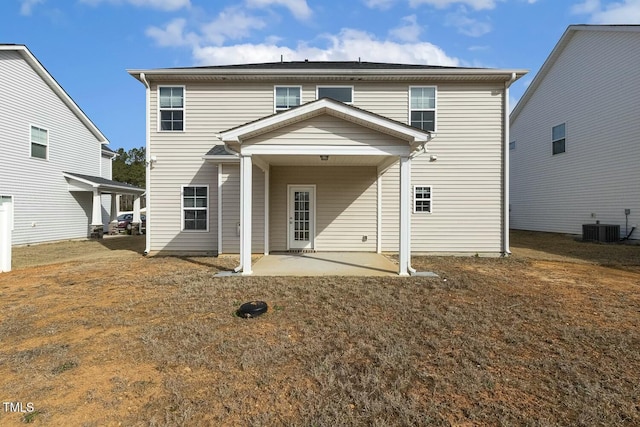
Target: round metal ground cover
[(252, 309)]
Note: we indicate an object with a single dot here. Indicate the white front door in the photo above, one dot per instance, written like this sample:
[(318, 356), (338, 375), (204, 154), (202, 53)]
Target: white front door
[(301, 216)]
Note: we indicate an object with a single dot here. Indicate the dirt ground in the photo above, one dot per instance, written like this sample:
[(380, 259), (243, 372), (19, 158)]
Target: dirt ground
[(93, 333)]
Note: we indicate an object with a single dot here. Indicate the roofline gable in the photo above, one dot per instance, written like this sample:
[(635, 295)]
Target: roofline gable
[(37, 66), (560, 46), (320, 107)]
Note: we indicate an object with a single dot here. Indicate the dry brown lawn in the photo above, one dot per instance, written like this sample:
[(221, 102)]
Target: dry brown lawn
[(95, 334)]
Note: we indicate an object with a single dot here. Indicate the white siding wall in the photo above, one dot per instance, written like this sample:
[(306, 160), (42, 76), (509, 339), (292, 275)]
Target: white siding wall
[(593, 88), (44, 208), (231, 209), (345, 206), (466, 179)]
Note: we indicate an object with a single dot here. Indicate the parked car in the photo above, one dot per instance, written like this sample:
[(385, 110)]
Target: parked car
[(125, 220)]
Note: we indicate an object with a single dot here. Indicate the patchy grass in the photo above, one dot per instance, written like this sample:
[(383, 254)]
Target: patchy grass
[(549, 336)]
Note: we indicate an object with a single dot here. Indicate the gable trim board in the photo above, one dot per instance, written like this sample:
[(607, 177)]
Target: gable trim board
[(360, 159)]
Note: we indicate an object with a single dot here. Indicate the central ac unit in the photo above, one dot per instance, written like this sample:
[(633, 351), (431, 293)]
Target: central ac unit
[(603, 233)]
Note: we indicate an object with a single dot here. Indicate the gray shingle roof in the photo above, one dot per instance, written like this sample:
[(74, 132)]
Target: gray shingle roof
[(218, 150), (319, 65), (103, 181)]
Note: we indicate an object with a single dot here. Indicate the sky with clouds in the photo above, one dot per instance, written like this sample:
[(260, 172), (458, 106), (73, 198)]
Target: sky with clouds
[(87, 45)]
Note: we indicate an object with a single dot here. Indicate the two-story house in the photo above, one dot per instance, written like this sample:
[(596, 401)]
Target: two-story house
[(55, 165), (575, 135), (327, 156)]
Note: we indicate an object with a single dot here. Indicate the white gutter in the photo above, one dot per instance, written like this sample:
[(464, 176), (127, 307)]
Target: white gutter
[(505, 221), (147, 163)]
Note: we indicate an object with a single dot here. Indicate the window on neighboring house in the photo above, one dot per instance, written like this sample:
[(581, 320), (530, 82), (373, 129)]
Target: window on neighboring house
[(423, 107), (339, 93), (421, 199), (287, 97), (558, 138), (171, 108), (39, 142), (195, 208), (512, 145)]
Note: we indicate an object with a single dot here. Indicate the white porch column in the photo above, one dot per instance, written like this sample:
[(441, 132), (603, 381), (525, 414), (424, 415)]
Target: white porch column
[(136, 210), (245, 213), (266, 211), (113, 212), (405, 229), (96, 212)]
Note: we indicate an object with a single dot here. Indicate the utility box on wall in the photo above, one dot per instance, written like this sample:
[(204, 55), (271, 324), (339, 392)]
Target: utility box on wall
[(602, 233)]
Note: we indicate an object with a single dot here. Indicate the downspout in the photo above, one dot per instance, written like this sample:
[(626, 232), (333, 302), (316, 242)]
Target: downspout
[(421, 150), (229, 150), (505, 232), (147, 163)]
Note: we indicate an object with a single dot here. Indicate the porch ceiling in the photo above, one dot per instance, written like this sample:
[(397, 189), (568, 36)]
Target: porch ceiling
[(284, 160)]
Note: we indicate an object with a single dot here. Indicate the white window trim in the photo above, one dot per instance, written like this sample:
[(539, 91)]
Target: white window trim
[(184, 109), (435, 109), (430, 187), (275, 109), (564, 137), (353, 92), (182, 208), (31, 142)]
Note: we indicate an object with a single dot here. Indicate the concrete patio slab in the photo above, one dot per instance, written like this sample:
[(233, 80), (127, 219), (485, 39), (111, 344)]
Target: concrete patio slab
[(325, 264)]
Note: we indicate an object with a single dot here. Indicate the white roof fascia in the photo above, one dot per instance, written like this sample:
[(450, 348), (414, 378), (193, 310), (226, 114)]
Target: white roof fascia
[(555, 54), (57, 89), (320, 107)]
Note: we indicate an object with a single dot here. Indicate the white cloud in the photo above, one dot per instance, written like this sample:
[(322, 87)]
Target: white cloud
[(26, 6), (410, 32), (622, 12), (442, 4), (379, 4), (348, 45), (172, 34), (167, 5), (299, 8), (466, 25), (230, 24)]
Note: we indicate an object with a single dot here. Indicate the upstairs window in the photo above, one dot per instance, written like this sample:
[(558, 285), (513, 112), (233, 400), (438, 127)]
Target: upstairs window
[(195, 208), (339, 93), (171, 108), (558, 139), (422, 107), (39, 142), (421, 199), (287, 97)]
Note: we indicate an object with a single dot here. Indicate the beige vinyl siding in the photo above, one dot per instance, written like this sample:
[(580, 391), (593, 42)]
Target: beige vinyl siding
[(44, 208), (209, 109), (345, 206), (231, 209), (324, 130), (593, 88), (466, 179)]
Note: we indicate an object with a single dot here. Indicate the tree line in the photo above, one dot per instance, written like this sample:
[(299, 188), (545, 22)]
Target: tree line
[(129, 167)]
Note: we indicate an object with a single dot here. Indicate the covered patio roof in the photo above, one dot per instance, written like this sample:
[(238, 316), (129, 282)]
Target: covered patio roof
[(79, 182)]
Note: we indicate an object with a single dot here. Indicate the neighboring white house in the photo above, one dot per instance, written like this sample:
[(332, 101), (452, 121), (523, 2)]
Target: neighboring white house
[(327, 156), (575, 135), (55, 167)]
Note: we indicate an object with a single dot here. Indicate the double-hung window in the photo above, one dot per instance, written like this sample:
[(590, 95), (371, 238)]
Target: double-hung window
[(195, 208), (39, 142), (422, 107), (171, 102), (421, 199), (287, 97), (558, 134), (339, 93)]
